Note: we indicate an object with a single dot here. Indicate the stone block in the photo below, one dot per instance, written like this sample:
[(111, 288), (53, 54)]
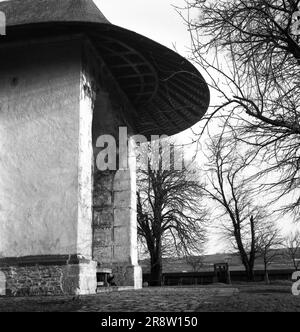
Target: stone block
[(38, 279), (103, 237), (121, 235), (122, 175), (128, 275), (124, 199), (102, 198), (87, 278), (121, 217), (103, 255), (103, 218), (122, 185), (122, 252)]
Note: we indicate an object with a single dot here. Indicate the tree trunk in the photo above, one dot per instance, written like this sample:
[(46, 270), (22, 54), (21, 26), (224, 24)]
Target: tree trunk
[(250, 273), (296, 265), (267, 279), (156, 271), (248, 263), (252, 256), (249, 266), (156, 264)]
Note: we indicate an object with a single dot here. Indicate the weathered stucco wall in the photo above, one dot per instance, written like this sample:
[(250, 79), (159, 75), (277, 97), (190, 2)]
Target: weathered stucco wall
[(39, 135)]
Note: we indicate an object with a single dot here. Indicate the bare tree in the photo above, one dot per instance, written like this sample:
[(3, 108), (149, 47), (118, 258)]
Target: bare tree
[(171, 218), (252, 60), (196, 262), (293, 249), (241, 216), (269, 244)]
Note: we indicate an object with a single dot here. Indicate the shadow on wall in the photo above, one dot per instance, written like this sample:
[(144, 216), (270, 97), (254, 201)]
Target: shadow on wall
[(2, 284)]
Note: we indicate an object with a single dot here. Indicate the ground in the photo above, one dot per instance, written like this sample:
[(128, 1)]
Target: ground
[(247, 297)]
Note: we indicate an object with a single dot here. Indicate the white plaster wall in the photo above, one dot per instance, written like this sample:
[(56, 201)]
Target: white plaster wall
[(85, 165), (39, 134)]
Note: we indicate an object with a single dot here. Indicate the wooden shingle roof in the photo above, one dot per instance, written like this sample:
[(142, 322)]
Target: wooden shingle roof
[(168, 92), (20, 12)]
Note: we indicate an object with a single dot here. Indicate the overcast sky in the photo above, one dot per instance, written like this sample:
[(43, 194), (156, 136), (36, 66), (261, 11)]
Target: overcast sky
[(156, 19)]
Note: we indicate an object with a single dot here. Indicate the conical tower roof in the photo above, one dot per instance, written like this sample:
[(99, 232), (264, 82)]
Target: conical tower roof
[(20, 12), (168, 92)]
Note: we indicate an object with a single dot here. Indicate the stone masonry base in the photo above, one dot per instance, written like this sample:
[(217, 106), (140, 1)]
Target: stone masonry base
[(49, 275), (60, 275), (128, 275)]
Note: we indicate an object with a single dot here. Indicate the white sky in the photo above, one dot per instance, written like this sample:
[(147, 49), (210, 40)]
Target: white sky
[(156, 19)]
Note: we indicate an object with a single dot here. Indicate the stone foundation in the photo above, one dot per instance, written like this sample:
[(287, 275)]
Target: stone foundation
[(128, 275), (46, 276)]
